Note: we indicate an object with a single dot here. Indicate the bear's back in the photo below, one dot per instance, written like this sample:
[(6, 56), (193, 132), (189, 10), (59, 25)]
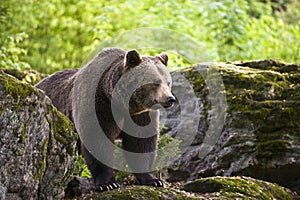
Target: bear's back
[(58, 88)]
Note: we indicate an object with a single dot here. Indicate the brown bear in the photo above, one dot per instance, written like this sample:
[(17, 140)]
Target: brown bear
[(143, 107)]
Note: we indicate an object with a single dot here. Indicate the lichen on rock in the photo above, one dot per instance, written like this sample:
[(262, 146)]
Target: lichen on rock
[(260, 137), (34, 163)]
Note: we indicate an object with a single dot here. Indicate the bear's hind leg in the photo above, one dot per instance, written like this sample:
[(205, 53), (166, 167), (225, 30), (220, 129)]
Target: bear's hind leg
[(103, 175)]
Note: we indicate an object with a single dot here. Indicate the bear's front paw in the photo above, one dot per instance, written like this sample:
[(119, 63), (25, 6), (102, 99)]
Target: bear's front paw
[(149, 179), (154, 182), (107, 185)]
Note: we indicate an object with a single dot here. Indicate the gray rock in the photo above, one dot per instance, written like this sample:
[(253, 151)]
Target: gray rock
[(217, 188), (37, 144), (238, 188), (258, 132)]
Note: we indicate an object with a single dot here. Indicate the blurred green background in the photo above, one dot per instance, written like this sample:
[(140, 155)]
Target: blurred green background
[(51, 35)]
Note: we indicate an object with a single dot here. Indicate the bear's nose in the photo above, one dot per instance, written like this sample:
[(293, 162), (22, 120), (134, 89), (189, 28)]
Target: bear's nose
[(171, 100)]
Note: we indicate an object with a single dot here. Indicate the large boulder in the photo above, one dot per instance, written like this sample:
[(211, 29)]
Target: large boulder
[(257, 127), (37, 143)]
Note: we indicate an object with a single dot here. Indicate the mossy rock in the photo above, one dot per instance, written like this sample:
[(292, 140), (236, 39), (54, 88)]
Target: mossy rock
[(142, 193), (224, 188), (28, 76), (39, 144), (259, 134), (217, 188), (271, 64), (13, 87)]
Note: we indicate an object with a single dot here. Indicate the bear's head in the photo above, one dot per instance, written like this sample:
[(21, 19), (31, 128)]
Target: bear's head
[(155, 82)]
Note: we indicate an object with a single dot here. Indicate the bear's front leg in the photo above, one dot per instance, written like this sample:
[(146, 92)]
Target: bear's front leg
[(102, 175), (143, 145)]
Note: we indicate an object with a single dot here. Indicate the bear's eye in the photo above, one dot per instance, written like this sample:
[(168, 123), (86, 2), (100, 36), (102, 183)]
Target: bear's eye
[(169, 83), (156, 83)]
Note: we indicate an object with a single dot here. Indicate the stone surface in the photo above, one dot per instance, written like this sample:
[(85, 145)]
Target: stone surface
[(256, 130), (37, 143), (141, 193), (217, 188), (238, 188)]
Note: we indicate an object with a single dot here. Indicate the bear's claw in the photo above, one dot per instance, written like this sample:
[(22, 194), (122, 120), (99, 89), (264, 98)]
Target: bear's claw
[(107, 186), (158, 183), (154, 182)]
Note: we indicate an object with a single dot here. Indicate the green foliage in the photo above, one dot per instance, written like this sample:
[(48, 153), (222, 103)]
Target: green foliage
[(168, 152), (291, 15), (125, 178), (81, 168), (62, 33), (10, 52)]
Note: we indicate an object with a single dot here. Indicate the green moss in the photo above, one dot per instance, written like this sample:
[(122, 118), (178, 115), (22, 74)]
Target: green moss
[(262, 94), (63, 130), (238, 187), (272, 148), (271, 64), (142, 193), (217, 188), (196, 78), (41, 163), (15, 73), (24, 133), (294, 78), (249, 89), (263, 97), (28, 76), (81, 168), (16, 88)]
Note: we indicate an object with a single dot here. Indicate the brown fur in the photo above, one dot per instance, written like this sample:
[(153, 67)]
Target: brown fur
[(59, 88)]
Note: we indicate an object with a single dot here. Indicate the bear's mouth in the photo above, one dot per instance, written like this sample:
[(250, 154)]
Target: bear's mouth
[(159, 105), (167, 105)]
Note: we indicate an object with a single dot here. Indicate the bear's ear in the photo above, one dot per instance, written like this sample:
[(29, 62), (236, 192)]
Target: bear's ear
[(163, 57), (132, 59)]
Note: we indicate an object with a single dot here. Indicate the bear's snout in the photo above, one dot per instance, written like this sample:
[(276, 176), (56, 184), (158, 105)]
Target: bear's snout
[(170, 101)]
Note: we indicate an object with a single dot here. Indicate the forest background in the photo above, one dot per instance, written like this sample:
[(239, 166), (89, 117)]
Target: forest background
[(52, 35)]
